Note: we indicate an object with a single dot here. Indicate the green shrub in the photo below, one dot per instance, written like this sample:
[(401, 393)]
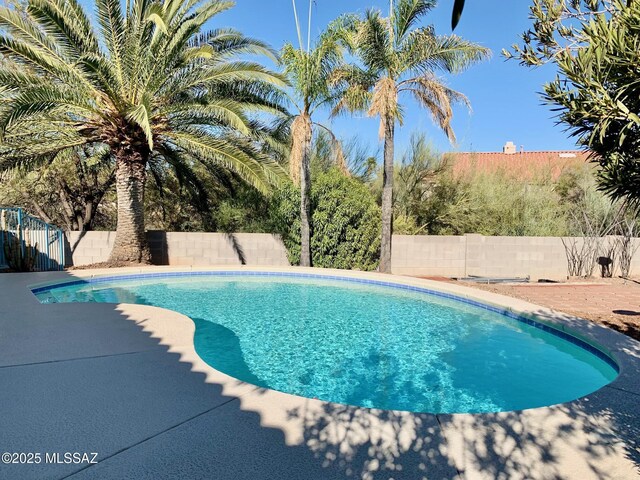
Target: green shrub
[(345, 222), (493, 203)]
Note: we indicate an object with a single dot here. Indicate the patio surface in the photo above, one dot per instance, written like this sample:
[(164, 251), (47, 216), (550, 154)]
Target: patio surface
[(125, 382)]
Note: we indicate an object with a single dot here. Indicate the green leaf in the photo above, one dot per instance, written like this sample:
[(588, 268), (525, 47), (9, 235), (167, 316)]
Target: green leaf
[(140, 116), (635, 118), (623, 108), (158, 22)]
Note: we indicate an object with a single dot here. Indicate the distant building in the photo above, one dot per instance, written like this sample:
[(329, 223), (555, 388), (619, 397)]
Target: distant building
[(520, 164)]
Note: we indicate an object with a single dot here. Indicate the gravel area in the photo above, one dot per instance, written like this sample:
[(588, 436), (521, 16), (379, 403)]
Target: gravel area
[(614, 303)]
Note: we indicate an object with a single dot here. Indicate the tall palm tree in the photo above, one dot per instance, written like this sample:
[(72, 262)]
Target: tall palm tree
[(147, 81), (308, 71), (398, 57)]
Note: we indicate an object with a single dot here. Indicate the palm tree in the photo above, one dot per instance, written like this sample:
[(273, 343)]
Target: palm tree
[(147, 81), (308, 70), (398, 57)]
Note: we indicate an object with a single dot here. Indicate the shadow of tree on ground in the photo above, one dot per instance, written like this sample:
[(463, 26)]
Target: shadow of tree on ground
[(116, 389)]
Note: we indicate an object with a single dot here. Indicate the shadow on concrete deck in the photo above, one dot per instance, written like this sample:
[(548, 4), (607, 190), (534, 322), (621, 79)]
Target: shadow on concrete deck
[(89, 378)]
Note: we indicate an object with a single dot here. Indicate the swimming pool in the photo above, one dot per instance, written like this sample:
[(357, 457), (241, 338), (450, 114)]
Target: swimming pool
[(363, 342)]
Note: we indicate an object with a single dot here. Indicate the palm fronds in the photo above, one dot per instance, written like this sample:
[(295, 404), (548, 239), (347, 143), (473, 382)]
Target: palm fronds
[(144, 70)]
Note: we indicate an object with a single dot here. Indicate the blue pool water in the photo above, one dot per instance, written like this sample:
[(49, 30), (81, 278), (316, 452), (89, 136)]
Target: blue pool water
[(364, 344)]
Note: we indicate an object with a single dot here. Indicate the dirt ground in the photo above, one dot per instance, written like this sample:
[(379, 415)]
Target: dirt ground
[(614, 303), (106, 265)]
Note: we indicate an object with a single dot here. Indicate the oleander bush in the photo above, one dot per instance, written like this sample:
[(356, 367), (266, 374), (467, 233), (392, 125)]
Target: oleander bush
[(345, 224)]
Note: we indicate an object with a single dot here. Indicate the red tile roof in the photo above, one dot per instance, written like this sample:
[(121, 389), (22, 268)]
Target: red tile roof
[(520, 165)]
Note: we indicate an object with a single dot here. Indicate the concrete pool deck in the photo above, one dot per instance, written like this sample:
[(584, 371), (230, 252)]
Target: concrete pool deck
[(125, 382)]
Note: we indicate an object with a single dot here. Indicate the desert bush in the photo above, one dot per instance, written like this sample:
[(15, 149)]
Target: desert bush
[(493, 203), (592, 219), (626, 245)]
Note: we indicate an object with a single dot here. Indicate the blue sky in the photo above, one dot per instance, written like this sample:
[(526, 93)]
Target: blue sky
[(504, 96)]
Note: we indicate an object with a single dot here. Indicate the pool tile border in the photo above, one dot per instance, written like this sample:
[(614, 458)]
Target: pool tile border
[(507, 312)]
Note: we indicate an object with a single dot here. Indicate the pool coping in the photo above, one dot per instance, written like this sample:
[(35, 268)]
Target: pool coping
[(176, 332)]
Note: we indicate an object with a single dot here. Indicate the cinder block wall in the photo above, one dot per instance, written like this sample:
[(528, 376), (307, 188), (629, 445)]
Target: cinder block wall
[(86, 248), (536, 257), (447, 256), (477, 255), (428, 255), (172, 248)]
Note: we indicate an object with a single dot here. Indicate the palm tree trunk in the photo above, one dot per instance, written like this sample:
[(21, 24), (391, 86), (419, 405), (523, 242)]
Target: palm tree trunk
[(305, 194), (387, 196), (130, 244)]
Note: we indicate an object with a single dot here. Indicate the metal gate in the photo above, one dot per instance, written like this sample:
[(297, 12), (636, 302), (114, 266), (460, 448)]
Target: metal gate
[(37, 245)]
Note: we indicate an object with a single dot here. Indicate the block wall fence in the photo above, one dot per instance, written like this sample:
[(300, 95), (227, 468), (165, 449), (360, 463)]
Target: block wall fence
[(178, 248), (447, 256)]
